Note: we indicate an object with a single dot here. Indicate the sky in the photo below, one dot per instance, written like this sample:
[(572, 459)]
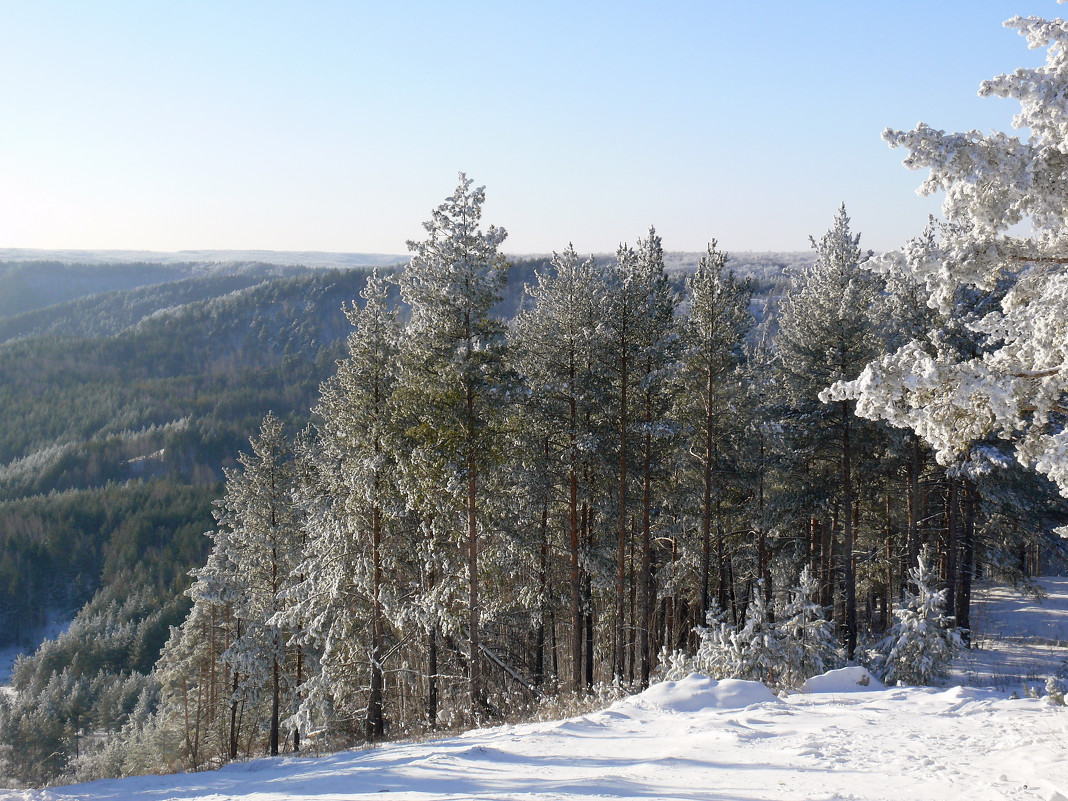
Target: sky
[(339, 126)]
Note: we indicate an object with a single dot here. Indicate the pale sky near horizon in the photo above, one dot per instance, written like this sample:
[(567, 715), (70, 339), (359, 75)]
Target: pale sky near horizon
[(338, 126)]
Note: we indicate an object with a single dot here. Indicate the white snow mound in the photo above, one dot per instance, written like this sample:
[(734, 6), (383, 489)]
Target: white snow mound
[(697, 692), (853, 679)]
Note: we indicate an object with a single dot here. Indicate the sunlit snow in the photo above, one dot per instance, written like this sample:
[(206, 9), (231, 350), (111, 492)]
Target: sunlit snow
[(699, 738)]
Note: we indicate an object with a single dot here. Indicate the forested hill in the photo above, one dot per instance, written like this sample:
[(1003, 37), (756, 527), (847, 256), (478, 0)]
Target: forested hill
[(109, 313), (113, 435)]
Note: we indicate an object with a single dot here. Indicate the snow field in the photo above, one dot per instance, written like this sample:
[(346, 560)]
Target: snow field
[(1018, 640), (686, 740), (726, 740)]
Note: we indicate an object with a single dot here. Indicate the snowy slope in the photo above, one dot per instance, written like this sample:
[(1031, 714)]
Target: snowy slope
[(729, 740), (693, 739)]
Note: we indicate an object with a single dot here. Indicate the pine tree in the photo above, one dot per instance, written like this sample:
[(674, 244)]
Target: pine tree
[(555, 343), (809, 645), (623, 301), (992, 183), (656, 354), (455, 385), (705, 387), (345, 593), (923, 641), (828, 333), (260, 535)]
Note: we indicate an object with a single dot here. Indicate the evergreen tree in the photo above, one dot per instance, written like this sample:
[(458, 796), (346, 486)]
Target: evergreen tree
[(258, 538), (555, 345), (828, 333), (1017, 387), (810, 648), (923, 641), (350, 491), (656, 354), (706, 387), (455, 385)]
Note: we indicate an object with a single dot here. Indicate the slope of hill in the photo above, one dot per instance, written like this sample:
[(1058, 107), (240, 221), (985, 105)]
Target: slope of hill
[(692, 739), (131, 431), (109, 313), (702, 739), (1019, 638)]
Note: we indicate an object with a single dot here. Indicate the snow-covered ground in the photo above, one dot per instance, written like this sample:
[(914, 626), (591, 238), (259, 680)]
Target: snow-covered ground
[(688, 740), (702, 739), (1019, 640)]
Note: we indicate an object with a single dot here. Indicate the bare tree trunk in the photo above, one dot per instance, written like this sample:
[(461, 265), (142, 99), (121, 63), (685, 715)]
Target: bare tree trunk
[(374, 727), (589, 632), (633, 626), (888, 605), (964, 597), (543, 590), (951, 546), (646, 577), (576, 578), (432, 677), (847, 536), (621, 545), (233, 719), (475, 692), (913, 544), (275, 690), (706, 506)]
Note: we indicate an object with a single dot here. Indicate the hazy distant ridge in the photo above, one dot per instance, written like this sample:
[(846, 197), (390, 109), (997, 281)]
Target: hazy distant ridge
[(308, 258)]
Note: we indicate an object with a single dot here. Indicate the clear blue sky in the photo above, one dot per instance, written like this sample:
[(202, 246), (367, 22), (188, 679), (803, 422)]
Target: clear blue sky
[(339, 126)]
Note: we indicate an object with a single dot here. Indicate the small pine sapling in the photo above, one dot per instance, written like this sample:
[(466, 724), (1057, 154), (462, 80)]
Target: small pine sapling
[(918, 648)]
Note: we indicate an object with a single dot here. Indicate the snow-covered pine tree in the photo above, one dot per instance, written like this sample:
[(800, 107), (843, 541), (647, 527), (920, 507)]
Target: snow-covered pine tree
[(198, 688), (923, 641), (453, 388), (346, 595), (809, 647), (754, 651), (827, 333), (705, 387), (656, 359), (259, 532), (993, 183), (554, 345), (622, 312)]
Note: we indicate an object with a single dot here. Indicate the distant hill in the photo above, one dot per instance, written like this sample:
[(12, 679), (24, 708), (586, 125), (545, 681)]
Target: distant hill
[(113, 435), (305, 258)]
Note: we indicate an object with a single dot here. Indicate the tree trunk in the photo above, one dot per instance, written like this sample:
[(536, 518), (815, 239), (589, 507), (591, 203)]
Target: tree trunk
[(964, 597), (951, 547), (432, 677), (706, 507), (847, 536), (646, 577), (300, 679), (374, 726), (576, 582), (622, 544), (589, 632), (476, 697), (233, 719), (913, 544), (543, 591), (275, 691)]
